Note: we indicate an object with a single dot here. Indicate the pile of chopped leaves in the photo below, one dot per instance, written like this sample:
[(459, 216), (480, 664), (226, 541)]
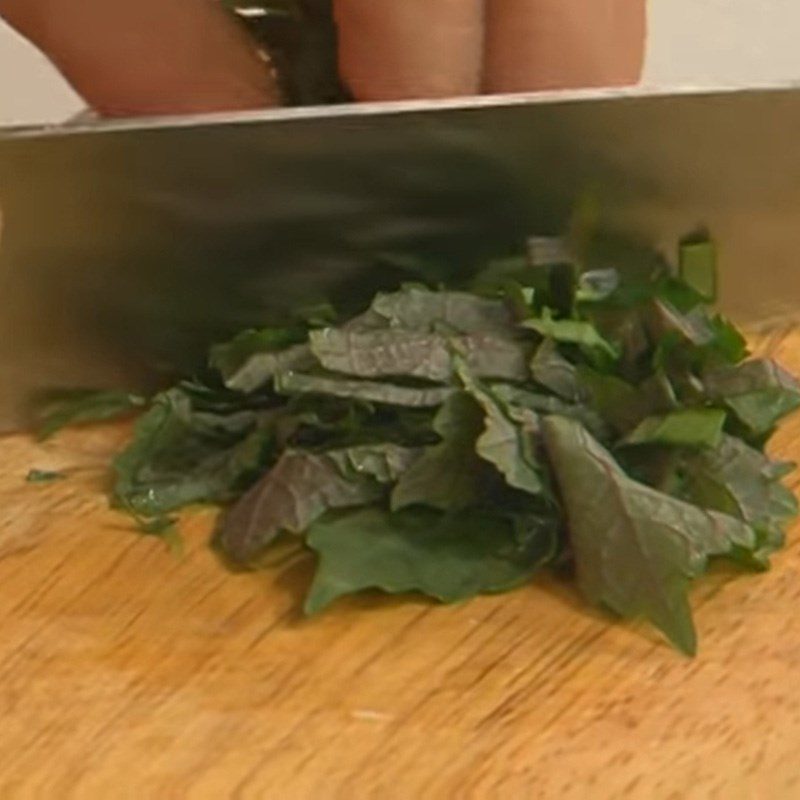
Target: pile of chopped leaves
[(455, 441)]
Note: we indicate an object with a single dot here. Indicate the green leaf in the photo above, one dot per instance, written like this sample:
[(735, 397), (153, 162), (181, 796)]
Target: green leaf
[(761, 411), (758, 392), (663, 320), (657, 466), (507, 442), (625, 327), (694, 342), (421, 310), (674, 291), (698, 267), (517, 399), (658, 393), (368, 391), (448, 475), (301, 487), (59, 409), (251, 359), (729, 345), (571, 331), (429, 356), (513, 278), (180, 455), (689, 427), (44, 476), (738, 480), (635, 549), (619, 403), (550, 369), (447, 557)]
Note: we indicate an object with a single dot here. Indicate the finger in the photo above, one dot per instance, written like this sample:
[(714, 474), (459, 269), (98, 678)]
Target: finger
[(556, 44), (149, 56), (403, 49)]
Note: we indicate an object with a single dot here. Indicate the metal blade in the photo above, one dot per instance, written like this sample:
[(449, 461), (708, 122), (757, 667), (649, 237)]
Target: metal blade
[(128, 247)]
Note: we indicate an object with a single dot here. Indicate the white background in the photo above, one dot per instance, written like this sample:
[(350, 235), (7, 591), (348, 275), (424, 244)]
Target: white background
[(691, 42)]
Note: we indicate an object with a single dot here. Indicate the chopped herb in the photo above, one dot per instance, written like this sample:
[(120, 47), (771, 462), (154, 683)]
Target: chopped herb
[(44, 476), (635, 548), (689, 427), (698, 266), (453, 443), (60, 409)]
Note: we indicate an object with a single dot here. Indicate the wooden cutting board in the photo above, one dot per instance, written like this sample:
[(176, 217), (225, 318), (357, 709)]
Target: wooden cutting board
[(128, 672)]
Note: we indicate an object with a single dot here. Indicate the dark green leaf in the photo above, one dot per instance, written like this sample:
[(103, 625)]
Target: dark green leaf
[(401, 353), (571, 331), (728, 344), (448, 475), (303, 486), (56, 410), (386, 462), (447, 557), (44, 476), (658, 393), (550, 369), (741, 481), (180, 456), (516, 399), (635, 549), (692, 328), (655, 465), (250, 360), (507, 442), (619, 403), (759, 392), (694, 343), (422, 310), (678, 294), (625, 327), (689, 427), (368, 391)]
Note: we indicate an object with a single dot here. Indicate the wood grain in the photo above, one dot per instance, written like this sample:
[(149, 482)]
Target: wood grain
[(127, 672)]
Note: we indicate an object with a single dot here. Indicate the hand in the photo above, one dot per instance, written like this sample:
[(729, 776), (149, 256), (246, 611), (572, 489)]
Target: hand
[(396, 49), (142, 57), (183, 56)]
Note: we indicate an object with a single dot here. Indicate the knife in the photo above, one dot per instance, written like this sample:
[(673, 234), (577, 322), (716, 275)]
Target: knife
[(127, 247)]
